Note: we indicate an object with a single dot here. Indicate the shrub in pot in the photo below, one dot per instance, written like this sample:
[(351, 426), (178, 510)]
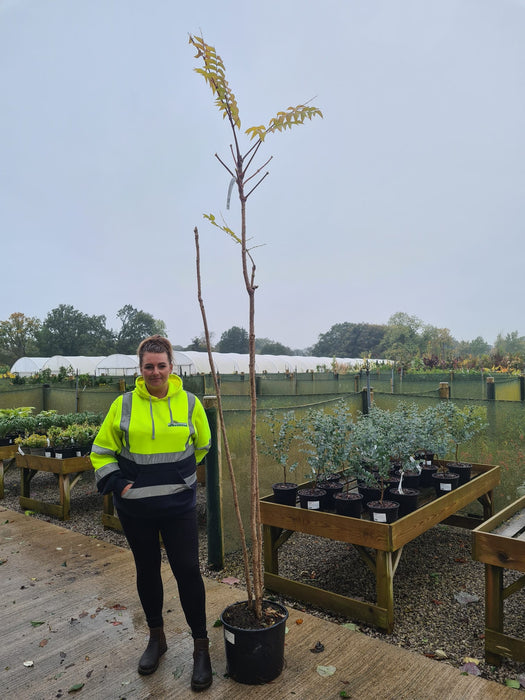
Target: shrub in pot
[(34, 444), (282, 432)]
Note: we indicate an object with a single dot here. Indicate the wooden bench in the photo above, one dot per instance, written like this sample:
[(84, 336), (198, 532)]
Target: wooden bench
[(500, 544), (380, 545), (30, 465)]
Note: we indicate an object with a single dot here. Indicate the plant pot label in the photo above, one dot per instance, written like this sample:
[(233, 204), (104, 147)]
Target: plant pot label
[(314, 505), (47, 454), (445, 487), (229, 636), (379, 517), (58, 455)]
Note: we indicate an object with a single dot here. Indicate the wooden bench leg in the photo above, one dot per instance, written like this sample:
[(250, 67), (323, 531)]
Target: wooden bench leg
[(385, 585), (493, 608)]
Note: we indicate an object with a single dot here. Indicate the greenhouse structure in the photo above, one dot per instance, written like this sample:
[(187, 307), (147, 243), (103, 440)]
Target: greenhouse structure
[(186, 362)]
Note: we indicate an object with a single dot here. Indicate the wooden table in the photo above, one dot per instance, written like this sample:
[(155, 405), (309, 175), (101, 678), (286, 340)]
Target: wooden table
[(64, 468), (380, 545), (7, 458), (500, 544)]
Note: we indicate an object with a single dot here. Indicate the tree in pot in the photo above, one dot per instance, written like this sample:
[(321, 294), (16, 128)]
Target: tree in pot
[(282, 432), (245, 663), (371, 457), (326, 435), (461, 425)]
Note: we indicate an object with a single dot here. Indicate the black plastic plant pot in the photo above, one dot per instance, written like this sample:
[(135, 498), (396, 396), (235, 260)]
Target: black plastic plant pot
[(312, 499), (331, 488), (464, 470), (445, 482), (254, 656), (425, 478), (369, 493), (384, 511), (64, 452), (349, 503), (285, 493), (407, 499), (410, 478)]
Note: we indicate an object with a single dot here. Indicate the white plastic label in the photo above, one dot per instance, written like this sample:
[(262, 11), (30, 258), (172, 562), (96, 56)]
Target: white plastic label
[(314, 505), (47, 454), (229, 636), (379, 517), (58, 455), (446, 487)]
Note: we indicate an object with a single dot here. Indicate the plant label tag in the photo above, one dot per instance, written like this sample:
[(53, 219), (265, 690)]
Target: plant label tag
[(313, 505), (58, 455), (445, 487), (380, 517), (47, 454), (429, 462), (229, 636)]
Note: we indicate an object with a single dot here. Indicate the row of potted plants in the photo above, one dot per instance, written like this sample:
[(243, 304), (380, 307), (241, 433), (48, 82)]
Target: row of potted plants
[(376, 462), (73, 441)]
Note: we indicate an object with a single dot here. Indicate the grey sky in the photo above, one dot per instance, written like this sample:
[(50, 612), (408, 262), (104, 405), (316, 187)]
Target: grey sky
[(407, 196)]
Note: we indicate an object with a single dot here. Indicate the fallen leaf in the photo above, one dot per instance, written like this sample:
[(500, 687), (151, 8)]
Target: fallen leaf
[(351, 626), (74, 688), (440, 654), (43, 642), (231, 580), (118, 607), (37, 623), (511, 683), (470, 660), (299, 621), (318, 648), (325, 671), (471, 669), (217, 623), (521, 679), (177, 673)]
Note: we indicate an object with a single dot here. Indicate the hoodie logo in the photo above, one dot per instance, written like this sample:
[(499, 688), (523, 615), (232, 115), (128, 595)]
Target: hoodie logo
[(173, 424)]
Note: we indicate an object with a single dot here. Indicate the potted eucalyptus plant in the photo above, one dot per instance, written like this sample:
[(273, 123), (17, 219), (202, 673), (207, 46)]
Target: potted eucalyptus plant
[(282, 432)]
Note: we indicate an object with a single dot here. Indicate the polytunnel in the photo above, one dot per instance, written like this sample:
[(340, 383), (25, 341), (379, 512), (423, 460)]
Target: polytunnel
[(118, 365), (81, 364), (27, 366)]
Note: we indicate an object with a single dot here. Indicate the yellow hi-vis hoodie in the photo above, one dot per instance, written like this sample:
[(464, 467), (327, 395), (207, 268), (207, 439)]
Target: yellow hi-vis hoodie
[(154, 445)]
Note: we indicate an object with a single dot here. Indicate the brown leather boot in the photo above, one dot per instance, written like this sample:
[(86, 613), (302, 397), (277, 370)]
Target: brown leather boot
[(201, 677), (149, 661)]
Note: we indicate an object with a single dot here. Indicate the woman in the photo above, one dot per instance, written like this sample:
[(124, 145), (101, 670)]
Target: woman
[(146, 453)]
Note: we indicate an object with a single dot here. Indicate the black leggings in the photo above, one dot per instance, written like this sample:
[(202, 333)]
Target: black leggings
[(180, 539)]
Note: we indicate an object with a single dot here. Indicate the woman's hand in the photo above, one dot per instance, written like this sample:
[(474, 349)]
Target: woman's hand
[(125, 490)]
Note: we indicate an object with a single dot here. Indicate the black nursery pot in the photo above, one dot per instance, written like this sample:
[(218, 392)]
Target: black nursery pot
[(285, 493), (312, 499), (254, 656), (445, 482), (463, 469), (425, 478), (385, 512), (349, 503), (410, 479), (332, 488), (369, 493), (407, 500)]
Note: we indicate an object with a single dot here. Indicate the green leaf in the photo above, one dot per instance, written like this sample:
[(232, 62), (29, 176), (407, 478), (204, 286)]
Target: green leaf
[(74, 688), (512, 683), (217, 623), (37, 623), (351, 626)]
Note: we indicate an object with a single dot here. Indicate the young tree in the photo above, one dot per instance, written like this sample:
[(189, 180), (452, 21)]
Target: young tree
[(247, 178)]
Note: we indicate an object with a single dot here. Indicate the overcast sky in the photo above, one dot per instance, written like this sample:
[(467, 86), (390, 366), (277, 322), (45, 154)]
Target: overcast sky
[(408, 196)]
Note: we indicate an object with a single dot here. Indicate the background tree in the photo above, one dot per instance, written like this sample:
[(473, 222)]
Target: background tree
[(350, 340), (476, 347), (18, 337), (271, 347), (233, 340), (198, 344), (67, 331), (402, 340), (136, 325)]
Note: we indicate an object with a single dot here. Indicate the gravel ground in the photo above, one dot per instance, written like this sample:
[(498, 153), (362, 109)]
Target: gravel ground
[(433, 570)]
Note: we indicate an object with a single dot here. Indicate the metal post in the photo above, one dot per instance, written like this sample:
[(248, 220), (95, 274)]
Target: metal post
[(491, 389)]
